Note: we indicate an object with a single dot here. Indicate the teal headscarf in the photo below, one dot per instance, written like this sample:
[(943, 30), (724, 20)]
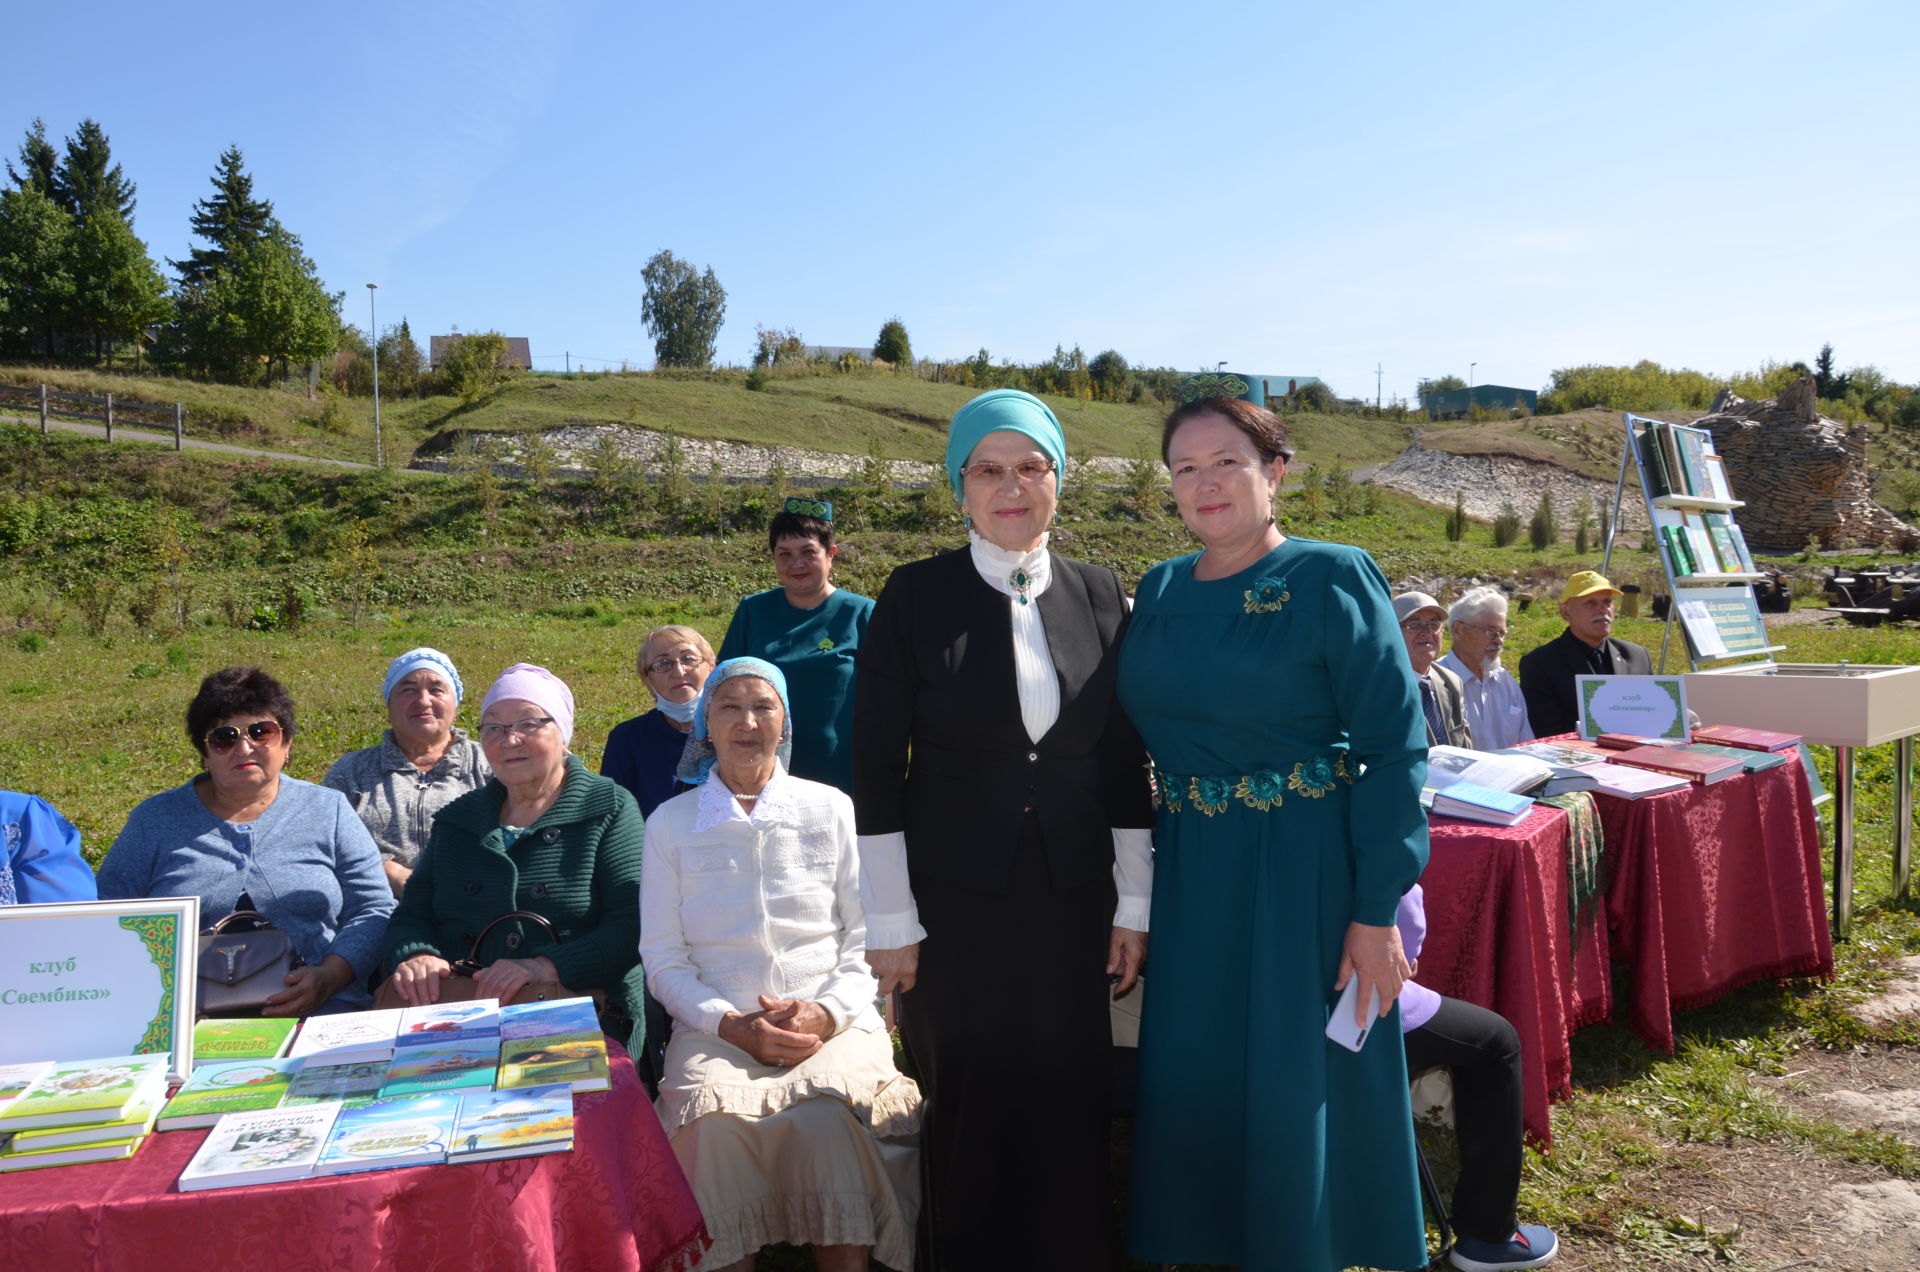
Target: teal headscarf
[(697, 757), (1008, 409)]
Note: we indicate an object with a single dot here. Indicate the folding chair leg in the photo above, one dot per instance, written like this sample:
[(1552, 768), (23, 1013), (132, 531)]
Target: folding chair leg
[(1436, 1203)]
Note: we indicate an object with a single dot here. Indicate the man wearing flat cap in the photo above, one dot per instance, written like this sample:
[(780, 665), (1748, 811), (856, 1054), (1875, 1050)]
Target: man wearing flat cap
[(1549, 674), (1441, 698)]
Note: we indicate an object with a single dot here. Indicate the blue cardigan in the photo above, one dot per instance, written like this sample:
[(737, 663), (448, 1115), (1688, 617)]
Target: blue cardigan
[(308, 862)]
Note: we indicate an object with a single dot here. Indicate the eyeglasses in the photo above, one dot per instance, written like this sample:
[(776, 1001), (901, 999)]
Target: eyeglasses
[(227, 736), (988, 473), (522, 729), (667, 664), (1495, 634), (1422, 625)]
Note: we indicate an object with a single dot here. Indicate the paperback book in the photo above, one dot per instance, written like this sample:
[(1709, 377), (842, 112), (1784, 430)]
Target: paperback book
[(348, 1037), (212, 1091), (241, 1038), (1481, 804), (445, 1067), (137, 1121), (514, 1123), (13, 1157), (335, 1083), (269, 1146), (545, 1020), (389, 1132), (81, 1092), (579, 1060), (449, 1022)]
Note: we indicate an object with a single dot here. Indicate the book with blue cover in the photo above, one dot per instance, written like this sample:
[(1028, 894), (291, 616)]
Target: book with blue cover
[(448, 1022), (549, 1020), (1482, 804), (388, 1132), (513, 1123), (448, 1067)]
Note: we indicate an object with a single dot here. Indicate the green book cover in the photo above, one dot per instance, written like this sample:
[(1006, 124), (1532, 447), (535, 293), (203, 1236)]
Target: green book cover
[(1752, 761), (115, 1150), (242, 1039), (135, 1120), (1677, 552), (334, 1083), (227, 1086), (80, 1092), (577, 1058), (1653, 464)]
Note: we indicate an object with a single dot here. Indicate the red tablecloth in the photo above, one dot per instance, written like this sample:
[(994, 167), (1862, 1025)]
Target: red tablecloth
[(617, 1201), (1499, 936), (1714, 887)]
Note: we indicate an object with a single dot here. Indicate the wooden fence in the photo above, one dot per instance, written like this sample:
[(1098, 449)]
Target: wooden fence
[(146, 416)]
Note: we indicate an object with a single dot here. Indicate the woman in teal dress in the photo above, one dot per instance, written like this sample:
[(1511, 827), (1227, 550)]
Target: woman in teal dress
[(809, 629), (1270, 683)]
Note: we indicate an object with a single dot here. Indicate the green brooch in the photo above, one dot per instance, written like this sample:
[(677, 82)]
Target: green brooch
[(1267, 596), (826, 643), (1022, 583)]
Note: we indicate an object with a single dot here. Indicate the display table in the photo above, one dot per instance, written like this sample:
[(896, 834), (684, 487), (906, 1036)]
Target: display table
[(1499, 936), (617, 1201), (1711, 888)]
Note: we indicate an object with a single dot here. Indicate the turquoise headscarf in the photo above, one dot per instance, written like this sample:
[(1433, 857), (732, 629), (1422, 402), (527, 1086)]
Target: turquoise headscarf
[(1008, 409), (697, 759)]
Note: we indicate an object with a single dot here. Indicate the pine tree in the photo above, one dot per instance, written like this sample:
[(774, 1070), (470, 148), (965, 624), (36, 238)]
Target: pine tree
[(39, 162), (231, 221), (89, 181), (36, 279)]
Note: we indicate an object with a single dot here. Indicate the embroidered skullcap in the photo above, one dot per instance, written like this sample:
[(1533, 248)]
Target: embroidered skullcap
[(1008, 409), (525, 682), (413, 660), (816, 508), (697, 759)]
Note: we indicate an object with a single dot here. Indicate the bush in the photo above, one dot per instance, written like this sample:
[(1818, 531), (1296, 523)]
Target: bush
[(756, 380), (1543, 531), (1457, 519), (1506, 526)]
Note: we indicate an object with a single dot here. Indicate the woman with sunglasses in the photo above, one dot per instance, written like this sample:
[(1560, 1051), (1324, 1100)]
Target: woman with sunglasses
[(642, 753), (1002, 805), (244, 836), (543, 835)]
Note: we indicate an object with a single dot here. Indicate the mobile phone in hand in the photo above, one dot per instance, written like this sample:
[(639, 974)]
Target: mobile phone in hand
[(1340, 1026)]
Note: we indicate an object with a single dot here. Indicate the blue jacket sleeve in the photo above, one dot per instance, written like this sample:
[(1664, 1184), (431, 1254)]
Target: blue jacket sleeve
[(366, 898), (47, 863), (1388, 736), (126, 872)]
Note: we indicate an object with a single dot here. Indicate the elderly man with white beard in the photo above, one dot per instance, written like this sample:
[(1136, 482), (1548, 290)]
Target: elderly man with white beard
[(1496, 710)]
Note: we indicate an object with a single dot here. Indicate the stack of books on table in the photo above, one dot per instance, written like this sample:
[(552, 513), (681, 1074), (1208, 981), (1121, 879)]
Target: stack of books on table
[(1483, 786), (465, 1082), (83, 1111)]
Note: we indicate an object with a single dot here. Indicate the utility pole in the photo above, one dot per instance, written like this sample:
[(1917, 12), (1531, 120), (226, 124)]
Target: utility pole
[(1376, 385), (569, 362), (373, 320)]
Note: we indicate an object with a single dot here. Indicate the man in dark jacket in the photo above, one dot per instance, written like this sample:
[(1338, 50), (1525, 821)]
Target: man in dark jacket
[(1549, 674)]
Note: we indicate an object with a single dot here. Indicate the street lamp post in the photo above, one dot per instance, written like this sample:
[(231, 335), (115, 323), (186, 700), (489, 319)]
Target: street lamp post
[(1470, 367), (373, 320)]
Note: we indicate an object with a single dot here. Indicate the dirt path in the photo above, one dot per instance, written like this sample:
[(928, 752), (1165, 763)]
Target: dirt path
[(136, 433)]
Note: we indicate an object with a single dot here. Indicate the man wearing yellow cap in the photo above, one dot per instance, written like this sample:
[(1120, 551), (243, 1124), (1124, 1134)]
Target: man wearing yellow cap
[(1587, 648)]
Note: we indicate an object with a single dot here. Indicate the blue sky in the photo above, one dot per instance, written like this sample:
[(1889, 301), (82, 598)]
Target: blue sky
[(1296, 189)]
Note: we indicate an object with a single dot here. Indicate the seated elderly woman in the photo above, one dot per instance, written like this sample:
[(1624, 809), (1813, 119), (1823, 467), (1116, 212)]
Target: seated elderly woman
[(780, 1093), (642, 753), (543, 835), (422, 764), (243, 836)]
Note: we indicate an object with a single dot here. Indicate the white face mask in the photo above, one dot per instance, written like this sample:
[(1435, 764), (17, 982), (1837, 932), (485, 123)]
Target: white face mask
[(678, 712)]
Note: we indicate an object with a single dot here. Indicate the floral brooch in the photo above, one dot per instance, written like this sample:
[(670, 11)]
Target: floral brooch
[(1267, 595), (825, 645)]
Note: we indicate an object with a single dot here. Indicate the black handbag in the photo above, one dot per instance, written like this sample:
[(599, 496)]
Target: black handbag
[(240, 969)]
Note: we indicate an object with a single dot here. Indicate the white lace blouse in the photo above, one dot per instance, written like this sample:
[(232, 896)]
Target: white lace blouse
[(734, 905), (894, 918)]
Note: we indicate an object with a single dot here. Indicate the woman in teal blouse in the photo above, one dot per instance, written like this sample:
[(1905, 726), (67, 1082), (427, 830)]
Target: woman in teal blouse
[(809, 629), (1270, 683)]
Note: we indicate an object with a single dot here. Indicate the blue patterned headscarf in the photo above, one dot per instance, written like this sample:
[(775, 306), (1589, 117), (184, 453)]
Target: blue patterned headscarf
[(1008, 409), (412, 661), (696, 761)]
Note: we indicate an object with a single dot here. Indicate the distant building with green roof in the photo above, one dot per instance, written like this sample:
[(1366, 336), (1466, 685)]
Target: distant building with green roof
[(1257, 388)]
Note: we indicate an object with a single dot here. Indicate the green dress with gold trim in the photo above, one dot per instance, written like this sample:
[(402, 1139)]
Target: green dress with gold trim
[(1289, 750), (814, 650)]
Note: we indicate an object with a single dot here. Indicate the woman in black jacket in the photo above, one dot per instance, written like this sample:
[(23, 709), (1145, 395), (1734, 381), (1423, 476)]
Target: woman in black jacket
[(1003, 812)]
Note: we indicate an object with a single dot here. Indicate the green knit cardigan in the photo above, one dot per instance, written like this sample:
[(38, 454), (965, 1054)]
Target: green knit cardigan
[(578, 866)]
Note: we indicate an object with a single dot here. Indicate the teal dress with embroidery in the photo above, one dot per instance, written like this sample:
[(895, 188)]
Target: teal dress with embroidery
[(1288, 750), (814, 649)]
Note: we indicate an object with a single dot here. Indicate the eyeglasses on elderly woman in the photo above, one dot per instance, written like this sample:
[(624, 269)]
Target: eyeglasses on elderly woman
[(666, 664), (988, 473), (522, 729), (227, 736)]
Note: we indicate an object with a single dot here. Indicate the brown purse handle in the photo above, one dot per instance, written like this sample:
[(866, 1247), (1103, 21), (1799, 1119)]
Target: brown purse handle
[(221, 926), (471, 965)]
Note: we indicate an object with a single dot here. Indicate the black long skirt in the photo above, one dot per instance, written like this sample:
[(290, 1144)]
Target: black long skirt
[(1008, 1028)]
